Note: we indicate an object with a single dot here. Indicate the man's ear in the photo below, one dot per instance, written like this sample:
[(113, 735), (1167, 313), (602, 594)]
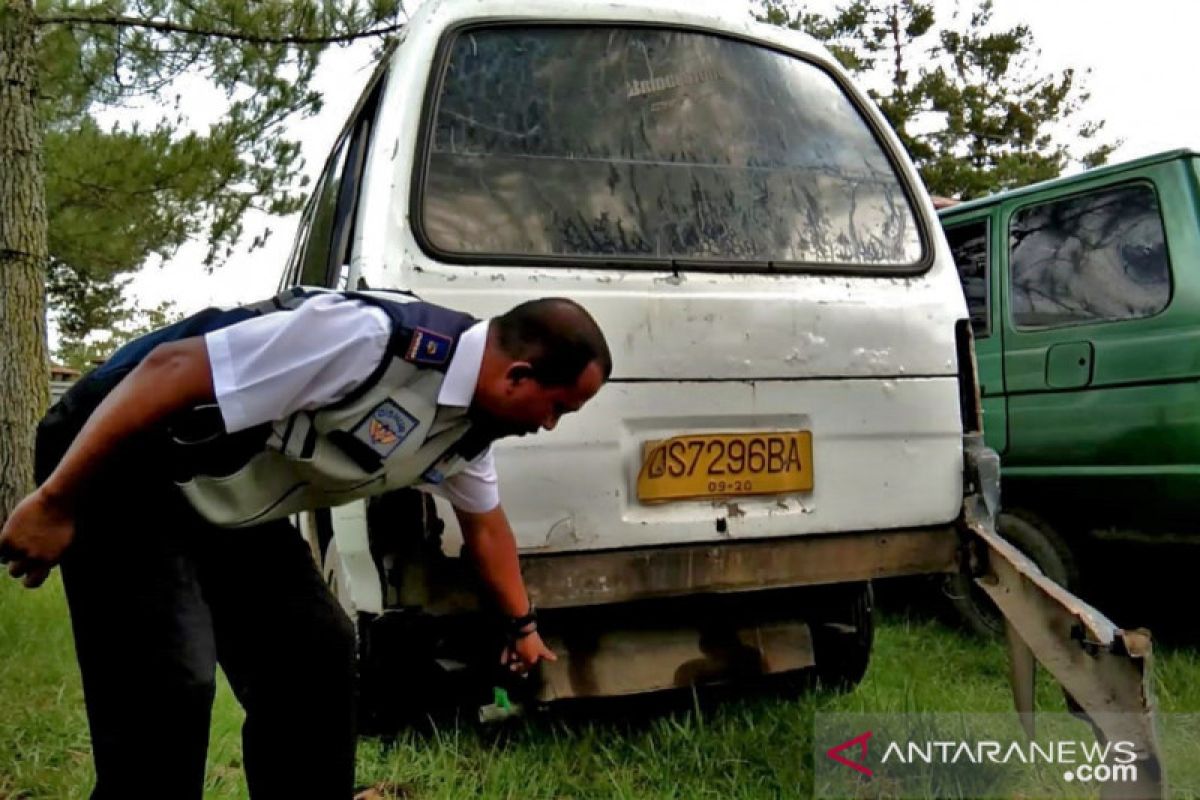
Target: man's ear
[(519, 371)]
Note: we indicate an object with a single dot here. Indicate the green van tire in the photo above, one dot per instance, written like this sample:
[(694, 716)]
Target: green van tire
[(1034, 537)]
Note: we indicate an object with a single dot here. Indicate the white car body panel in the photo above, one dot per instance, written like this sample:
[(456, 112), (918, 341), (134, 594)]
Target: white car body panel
[(866, 362), (855, 448)]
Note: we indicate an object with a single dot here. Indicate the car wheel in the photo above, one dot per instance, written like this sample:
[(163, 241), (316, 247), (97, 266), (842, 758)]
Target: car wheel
[(841, 619), (1034, 537)]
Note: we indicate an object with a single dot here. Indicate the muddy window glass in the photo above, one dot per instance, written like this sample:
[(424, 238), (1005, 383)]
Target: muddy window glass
[(968, 245), (653, 144), (1089, 258)]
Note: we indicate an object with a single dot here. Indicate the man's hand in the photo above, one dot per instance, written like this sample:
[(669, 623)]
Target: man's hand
[(35, 537), (525, 653), (174, 376), (488, 539)]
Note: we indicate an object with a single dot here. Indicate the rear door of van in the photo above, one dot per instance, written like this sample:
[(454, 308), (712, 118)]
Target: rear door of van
[(748, 234)]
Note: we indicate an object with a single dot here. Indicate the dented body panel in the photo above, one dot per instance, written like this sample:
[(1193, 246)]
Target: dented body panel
[(866, 436)]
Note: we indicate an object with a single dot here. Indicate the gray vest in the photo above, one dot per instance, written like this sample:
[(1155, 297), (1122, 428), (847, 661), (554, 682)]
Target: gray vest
[(389, 433)]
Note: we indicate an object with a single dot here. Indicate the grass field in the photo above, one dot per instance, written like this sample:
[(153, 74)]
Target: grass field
[(745, 747)]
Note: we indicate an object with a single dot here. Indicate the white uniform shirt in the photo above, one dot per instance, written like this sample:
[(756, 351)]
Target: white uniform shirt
[(268, 367)]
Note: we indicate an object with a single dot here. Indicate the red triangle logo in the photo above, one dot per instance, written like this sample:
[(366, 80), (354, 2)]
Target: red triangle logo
[(859, 764)]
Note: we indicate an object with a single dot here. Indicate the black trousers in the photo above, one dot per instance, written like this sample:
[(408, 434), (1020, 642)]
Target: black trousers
[(158, 599)]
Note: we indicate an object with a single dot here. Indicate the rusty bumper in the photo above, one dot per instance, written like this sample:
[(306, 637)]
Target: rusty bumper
[(1105, 671)]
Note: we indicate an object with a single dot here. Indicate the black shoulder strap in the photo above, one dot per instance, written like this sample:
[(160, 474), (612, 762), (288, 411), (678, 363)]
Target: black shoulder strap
[(422, 334)]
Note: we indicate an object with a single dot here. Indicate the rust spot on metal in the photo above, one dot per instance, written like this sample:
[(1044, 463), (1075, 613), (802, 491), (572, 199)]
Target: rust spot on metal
[(1106, 670), (624, 659), (589, 578)]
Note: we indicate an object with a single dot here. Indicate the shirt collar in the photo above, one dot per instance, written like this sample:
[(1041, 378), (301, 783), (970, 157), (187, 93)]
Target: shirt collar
[(462, 374)]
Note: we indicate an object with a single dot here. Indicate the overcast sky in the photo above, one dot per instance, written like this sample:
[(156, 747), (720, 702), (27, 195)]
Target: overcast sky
[(1142, 58)]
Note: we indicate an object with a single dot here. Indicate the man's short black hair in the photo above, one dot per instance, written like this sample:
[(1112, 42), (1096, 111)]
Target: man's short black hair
[(557, 336)]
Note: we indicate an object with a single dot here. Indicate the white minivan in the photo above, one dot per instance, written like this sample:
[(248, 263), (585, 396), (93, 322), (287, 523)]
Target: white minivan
[(793, 409)]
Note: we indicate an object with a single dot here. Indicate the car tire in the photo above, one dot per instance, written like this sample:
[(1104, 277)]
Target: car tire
[(841, 620), (1038, 540), (377, 700)]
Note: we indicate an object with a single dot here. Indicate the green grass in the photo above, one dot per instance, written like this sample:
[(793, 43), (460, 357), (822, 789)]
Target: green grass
[(746, 747)]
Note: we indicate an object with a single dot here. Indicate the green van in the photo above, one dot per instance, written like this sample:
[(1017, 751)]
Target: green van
[(1084, 296)]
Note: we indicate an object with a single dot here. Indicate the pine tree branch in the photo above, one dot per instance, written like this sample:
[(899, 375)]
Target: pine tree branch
[(237, 36)]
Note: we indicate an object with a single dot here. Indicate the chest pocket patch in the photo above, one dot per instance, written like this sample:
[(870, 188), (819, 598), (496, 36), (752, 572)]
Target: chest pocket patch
[(385, 428)]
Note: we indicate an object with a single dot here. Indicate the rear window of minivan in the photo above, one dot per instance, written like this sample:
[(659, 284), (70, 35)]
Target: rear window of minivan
[(645, 144)]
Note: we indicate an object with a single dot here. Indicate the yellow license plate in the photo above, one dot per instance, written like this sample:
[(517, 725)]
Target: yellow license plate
[(726, 464)]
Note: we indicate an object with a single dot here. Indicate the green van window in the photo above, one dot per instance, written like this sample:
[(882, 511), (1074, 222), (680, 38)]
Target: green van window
[(649, 144), (1089, 258), (969, 247)]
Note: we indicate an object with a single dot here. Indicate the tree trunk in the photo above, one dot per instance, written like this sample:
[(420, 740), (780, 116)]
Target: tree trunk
[(24, 371)]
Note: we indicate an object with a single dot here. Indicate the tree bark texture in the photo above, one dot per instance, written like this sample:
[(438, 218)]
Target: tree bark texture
[(24, 368)]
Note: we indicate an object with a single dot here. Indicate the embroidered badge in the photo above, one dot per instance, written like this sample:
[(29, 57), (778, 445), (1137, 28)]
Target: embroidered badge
[(385, 428), (428, 347)]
